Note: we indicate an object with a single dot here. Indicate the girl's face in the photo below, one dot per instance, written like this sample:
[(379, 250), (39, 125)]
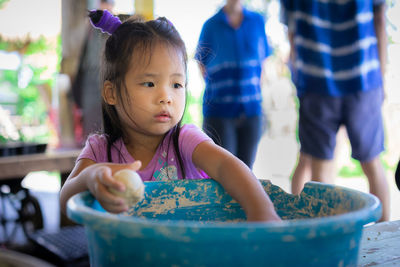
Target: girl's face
[(155, 97)]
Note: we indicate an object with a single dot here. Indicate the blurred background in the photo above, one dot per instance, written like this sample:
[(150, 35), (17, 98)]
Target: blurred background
[(37, 65), (40, 46)]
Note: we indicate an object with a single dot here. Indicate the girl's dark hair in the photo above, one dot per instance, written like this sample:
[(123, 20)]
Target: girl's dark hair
[(135, 37)]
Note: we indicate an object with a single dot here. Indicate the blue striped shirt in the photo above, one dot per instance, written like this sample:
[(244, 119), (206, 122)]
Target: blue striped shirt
[(335, 45), (233, 61)]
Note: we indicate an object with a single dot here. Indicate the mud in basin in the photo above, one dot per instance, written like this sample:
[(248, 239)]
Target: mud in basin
[(196, 223)]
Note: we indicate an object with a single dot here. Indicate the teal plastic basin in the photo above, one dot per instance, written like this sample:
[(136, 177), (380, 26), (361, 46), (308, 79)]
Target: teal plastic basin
[(196, 223)]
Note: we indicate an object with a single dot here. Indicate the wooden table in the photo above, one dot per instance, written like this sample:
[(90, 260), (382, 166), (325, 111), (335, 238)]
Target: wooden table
[(380, 245), (13, 169), (14, 258), (17, 167)]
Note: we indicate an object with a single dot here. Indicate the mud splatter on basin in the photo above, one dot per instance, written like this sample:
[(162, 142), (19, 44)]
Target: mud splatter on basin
[(195, 223)]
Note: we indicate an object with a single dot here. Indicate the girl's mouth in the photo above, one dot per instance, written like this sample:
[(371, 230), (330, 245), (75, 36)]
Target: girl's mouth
[(163, 117)]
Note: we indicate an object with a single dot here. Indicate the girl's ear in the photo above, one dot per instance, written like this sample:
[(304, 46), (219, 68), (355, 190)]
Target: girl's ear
[(109, 94)]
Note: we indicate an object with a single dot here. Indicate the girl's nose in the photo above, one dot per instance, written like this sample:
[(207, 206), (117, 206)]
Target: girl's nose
[(165, 97), (165, 101)]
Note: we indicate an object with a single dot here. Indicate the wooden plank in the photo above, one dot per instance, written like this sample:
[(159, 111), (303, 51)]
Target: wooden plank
[(19, 166), (380, 245)]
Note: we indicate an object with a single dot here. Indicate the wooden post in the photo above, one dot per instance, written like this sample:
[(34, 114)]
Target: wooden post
[(73, 29), (74, 25), (145, 8)]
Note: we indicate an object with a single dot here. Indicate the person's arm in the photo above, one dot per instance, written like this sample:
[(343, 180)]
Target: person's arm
[(202, 69), (292, 52), (381, 35), (97, 178), (237, 179), (287, 19), (203, 49)]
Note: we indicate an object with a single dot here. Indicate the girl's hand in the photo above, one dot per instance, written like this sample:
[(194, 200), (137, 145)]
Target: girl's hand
[(101, 179)]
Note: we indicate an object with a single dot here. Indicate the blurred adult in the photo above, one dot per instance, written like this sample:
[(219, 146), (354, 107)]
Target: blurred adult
[(338, 55), (86, 85), (231, 51)]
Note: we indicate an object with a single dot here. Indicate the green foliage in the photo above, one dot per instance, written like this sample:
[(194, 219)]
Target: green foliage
[(3, 3), (352, 170), (355, 170), (59, 52), (386, 164), (37, 46), (188, 117), (25, 46), (30, 108), (10, 76)]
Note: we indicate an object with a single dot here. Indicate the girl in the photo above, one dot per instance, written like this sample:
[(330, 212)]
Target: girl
[(143, 100)]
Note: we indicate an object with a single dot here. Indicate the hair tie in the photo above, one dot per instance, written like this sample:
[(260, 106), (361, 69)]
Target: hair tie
[(104, 20), (169, 22)]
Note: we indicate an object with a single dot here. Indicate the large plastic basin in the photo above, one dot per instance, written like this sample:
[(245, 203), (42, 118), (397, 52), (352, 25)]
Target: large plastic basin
[(196, 223)]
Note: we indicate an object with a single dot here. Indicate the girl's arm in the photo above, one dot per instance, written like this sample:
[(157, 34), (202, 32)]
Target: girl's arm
[(237, 179), (97, 178)]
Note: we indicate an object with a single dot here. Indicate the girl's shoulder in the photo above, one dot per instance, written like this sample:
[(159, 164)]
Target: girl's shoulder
[(191, 130), (95, 148), (188, 127), (97, 138), (190, 136)]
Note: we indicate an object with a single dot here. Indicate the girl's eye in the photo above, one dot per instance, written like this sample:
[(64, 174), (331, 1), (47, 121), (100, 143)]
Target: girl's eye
[(178, 85), (148, 84)]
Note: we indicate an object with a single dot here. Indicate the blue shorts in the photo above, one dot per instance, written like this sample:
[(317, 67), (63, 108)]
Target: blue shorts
[(321, 116)]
